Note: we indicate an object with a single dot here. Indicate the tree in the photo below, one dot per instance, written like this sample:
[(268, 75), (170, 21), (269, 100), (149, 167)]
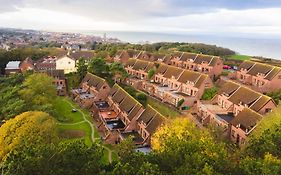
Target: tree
[(99, 67), (38, 92), (259, 166), (82, 68), (142, 98), (151, 72), (29, 128), (180, 103), (65, 158), (209, 93), (118, 71), (11, 103), (181, 148)]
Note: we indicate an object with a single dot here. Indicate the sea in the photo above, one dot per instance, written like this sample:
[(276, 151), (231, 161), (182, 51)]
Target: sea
[(265, 47)]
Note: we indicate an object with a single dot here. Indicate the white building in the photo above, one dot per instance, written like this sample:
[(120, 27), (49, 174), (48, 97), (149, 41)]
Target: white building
[(66, 63)]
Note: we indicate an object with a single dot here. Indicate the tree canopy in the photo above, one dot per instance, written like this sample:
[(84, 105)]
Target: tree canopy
[(26, 129), (38, 92)]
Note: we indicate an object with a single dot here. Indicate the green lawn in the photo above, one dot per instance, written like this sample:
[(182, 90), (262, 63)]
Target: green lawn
[(162, 108), (63, 111), (240, 57)]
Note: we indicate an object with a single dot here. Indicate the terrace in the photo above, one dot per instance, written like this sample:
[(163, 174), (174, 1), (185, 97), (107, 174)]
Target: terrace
[(135, 135), (108, 115), (102, 105), (115, 124)]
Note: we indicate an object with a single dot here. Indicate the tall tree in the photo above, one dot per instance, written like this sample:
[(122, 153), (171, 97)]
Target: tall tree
[(82, 68), (118, 71), (99, 67), (39, 92)]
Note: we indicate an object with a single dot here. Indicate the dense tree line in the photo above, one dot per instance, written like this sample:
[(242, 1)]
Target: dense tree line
[(166, 47), (24, 92)]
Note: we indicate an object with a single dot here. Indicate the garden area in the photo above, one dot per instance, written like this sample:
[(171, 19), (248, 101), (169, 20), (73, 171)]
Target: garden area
[(163, 109)]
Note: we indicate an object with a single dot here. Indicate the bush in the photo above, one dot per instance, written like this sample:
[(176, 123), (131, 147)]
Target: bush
[(142, 98), (209, 93), (180, 103)]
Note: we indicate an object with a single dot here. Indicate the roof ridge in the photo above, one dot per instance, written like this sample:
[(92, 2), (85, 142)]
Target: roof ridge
[(120, 88), (211, 60), (156, 111), (96, 76)]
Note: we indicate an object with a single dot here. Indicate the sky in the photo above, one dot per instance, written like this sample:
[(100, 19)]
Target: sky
[(219, 17)]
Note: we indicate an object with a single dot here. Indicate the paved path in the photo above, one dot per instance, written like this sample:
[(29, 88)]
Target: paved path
[(92, 131), (77, 123)]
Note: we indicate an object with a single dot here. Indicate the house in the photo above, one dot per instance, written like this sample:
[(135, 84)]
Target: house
[(228, 104), (92, 89), (121, 116), (161, 58), (124, 55), (27, 64), (66, 63), (175, 85), (243, 124), (60, 80), (210, 65), (12, 67), (147, 124), (258, 76), (46, 63)]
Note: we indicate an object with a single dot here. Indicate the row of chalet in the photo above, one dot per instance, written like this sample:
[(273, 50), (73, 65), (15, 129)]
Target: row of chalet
[(210, 65), (261, 77), (116, 113), (169, 83), (237, 109)]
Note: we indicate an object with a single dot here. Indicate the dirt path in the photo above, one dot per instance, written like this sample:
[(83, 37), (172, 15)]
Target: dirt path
[(92, 131)]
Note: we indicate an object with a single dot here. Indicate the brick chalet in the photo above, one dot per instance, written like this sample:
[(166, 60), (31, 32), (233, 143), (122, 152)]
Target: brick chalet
[(92, 89), (260, 77), (237, 109), (169, 84)]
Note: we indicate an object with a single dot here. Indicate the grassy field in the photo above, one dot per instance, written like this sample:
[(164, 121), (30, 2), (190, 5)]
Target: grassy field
[(240, 57), (162, 108)]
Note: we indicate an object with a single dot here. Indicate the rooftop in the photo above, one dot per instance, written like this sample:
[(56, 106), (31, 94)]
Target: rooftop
[(13, 65)]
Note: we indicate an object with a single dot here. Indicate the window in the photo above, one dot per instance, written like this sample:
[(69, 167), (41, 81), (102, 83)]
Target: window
[(233, 133)]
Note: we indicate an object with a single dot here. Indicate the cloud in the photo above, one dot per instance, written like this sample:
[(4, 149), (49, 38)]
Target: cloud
[(136, 9), (241, 17)]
